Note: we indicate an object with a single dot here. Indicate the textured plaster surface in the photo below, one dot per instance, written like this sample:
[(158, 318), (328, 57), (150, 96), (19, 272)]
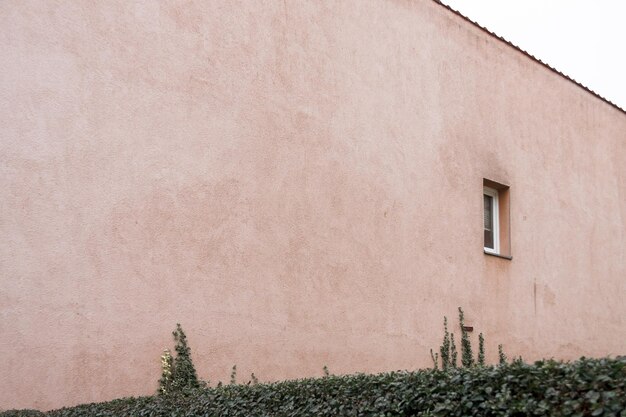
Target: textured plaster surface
[(299, 184)]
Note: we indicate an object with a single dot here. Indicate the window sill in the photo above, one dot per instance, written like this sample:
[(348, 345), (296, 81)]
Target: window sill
[(498, 255)]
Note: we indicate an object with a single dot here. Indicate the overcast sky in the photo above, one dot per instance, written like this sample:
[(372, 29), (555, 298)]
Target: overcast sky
[(584, 39)]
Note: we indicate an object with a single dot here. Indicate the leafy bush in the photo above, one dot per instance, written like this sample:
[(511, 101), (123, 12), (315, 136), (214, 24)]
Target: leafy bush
[(183, 372), (587, 387), (22, 413), (178, 374), (449, 353), (467, 359)]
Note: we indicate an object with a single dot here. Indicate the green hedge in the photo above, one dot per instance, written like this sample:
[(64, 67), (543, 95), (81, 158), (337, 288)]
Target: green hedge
[(587, 387)]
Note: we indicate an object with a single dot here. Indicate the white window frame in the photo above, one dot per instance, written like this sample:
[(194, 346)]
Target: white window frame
[(496, 220)]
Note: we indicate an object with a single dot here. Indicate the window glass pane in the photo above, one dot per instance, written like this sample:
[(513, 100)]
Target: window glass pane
[(488, 221), (487, 214)]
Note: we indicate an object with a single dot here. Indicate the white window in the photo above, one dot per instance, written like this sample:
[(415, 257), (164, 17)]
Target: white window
[(491, 221)]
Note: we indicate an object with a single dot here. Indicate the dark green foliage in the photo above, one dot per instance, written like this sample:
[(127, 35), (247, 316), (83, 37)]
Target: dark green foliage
[(481, 350), (233, 375), (467, 357), (453, 352), (445, 346), (22, 413), (501, 356), (588, 387), (184, 375), (449, 354)]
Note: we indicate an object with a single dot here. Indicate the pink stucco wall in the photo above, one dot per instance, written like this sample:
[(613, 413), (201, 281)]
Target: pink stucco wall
[(299, 184)]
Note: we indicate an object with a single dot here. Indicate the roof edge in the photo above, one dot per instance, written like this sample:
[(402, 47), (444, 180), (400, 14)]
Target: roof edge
[(517, 48)]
